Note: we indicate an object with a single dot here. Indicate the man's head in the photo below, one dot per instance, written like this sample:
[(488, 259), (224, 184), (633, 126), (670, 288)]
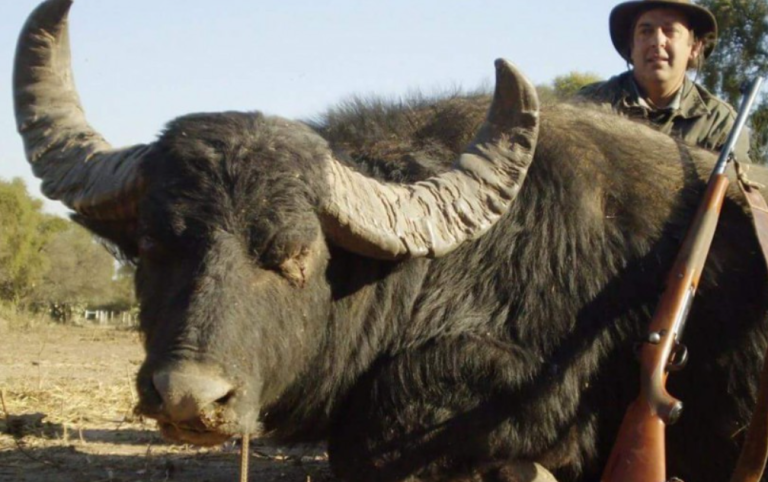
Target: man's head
[(662, 39), (625, 15)]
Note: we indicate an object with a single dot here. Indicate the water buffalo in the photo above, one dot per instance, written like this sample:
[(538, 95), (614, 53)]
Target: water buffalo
[(432, 320)]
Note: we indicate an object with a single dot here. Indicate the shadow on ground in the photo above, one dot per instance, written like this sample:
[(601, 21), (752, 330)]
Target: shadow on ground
[(72, 463)]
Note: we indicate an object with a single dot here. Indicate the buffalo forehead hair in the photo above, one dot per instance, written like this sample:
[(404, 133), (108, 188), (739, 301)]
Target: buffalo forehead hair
[(229, 169)]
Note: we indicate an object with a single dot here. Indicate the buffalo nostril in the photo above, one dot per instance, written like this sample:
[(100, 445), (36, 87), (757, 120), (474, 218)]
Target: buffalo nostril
[(188, 390), (223, 400)]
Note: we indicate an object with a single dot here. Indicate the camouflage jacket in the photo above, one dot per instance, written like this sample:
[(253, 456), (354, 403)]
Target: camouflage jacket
[(695, 115)]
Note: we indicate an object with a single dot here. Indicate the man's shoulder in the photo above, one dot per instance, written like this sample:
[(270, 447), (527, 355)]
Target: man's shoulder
[(714, 103), (718, 121), (606, 90)]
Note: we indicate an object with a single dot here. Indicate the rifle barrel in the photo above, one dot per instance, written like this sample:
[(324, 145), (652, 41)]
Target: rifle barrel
[(741, 119)]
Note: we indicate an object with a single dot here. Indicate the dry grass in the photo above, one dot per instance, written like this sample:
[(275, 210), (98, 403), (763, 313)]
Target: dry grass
[(68, 415), (14, 319)]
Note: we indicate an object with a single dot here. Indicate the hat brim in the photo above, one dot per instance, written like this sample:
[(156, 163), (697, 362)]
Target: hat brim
[(622, 17)]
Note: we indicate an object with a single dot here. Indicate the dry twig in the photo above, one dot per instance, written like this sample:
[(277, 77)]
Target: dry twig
[(244, 453)]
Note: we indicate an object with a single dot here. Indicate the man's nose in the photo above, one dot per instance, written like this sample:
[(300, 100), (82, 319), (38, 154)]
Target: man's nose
[(659, 37)]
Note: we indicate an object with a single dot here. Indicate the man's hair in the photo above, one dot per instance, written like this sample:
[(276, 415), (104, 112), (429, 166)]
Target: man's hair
[(707, 42)]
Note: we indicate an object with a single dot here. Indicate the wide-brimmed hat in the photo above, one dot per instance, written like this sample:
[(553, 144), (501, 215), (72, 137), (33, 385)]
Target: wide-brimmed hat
[(623, 16)]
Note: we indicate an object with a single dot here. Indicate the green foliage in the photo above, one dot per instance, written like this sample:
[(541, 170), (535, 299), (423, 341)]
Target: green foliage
[(741, 54), (122, 295), (759, 121), (80, 270), (14, 318), (566, 86), (52, 263), (24, 230), (82, 275)]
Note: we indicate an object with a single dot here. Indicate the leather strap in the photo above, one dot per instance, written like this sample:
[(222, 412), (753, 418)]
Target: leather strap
[(754, 453)]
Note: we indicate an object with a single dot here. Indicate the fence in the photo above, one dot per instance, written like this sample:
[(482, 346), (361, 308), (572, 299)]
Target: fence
[(107, 317)]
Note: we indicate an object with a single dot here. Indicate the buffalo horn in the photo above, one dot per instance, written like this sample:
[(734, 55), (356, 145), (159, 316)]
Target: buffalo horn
[(77, 166), (434, 216)]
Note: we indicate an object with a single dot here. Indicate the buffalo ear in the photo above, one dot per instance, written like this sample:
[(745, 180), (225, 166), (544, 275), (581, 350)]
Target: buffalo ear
[(120, 238)]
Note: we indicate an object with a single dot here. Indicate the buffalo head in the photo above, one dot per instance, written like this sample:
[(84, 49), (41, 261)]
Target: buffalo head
[(233, 218)]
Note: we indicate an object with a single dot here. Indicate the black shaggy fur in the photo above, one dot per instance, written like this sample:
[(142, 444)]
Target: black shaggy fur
[(517, 346)]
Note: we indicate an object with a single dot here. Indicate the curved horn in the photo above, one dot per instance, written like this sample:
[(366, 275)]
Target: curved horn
[(76, 165), (434, 216)]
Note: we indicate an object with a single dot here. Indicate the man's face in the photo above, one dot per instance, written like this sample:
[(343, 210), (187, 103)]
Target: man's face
[(662, 44)]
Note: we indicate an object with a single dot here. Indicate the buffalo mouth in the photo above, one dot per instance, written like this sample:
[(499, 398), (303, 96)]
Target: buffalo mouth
[(206, 429), (193, 432)]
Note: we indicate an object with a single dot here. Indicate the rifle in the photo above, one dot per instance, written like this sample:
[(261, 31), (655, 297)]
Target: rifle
[(638, 455)]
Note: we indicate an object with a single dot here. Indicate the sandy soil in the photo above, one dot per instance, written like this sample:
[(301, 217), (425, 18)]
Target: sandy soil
[(68, 394)]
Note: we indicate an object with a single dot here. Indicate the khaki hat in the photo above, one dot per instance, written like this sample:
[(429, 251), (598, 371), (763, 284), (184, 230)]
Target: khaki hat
[(623, 16)]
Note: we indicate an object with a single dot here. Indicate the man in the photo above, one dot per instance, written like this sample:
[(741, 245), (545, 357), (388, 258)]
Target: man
[(662, 40)]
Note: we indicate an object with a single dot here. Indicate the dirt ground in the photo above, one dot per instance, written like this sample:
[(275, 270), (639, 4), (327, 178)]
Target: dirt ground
[(68, 398)]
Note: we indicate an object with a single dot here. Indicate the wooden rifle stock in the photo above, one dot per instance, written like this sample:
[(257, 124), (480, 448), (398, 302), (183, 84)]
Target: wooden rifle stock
[(638, 455), (639, 452)]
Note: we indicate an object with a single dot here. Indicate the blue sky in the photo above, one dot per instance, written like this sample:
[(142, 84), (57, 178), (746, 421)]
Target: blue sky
[(139, 64)]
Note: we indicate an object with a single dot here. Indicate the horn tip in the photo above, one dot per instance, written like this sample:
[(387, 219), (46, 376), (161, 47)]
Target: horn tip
[(513, 86), (51, 12)]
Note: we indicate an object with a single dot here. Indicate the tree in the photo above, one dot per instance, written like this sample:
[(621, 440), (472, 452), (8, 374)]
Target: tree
[(566, 86), (81, 274), (80, 271), (24, 230), (50, 261), (122, 296), (741, 54)]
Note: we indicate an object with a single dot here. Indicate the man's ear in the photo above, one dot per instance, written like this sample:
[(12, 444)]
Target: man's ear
[(696, 50)]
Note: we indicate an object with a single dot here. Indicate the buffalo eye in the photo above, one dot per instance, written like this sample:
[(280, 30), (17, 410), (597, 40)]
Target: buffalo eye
[(290, 262), (287, 249), (294, 267)]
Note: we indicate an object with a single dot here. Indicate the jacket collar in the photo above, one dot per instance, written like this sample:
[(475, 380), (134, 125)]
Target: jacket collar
[(688, 103)]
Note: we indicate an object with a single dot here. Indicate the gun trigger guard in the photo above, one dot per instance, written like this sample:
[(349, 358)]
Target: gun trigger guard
[(678, 358)]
